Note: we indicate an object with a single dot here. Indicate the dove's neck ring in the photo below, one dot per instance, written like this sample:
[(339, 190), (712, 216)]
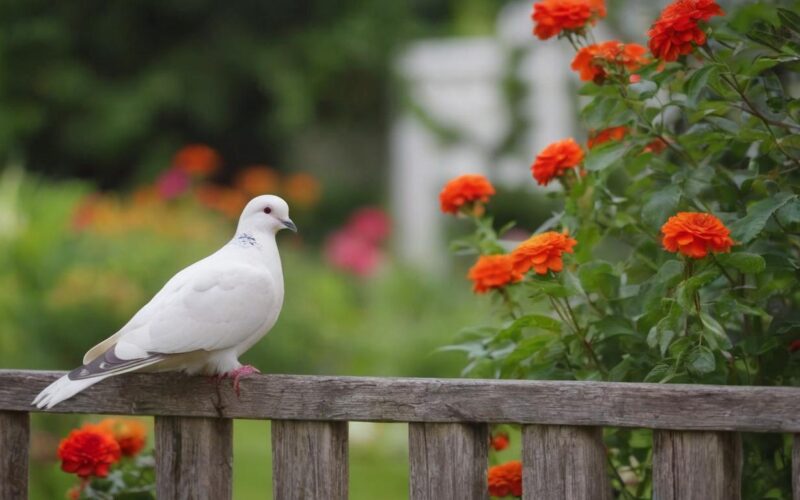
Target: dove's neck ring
[(260, 249)]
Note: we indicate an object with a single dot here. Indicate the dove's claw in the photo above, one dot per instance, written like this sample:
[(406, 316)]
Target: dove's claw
[(237, 374)]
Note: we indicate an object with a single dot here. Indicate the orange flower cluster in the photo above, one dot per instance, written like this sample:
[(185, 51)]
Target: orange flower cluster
[(499, 441), (88, 451), (128, 433), (605, 135), (593, 61), (542, 252), (92, 449), (556, 159), (506, 479), (465, 190), (694, 234), (676, 30), (552, 17), (492, 272)]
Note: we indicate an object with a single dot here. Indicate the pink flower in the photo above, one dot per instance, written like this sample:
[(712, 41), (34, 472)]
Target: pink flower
[(350, 251), (172, 183), (371, 223)]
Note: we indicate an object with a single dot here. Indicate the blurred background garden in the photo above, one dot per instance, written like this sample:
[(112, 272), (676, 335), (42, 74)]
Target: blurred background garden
[(133, 133)]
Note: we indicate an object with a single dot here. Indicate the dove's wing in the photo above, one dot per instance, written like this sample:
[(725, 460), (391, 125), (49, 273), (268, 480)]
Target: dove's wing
[(215, 306)]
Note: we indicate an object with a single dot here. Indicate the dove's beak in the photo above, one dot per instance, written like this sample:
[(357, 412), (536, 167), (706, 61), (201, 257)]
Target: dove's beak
[(289, 225)]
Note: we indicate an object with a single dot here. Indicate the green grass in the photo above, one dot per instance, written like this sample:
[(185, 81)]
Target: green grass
[(378, 461)]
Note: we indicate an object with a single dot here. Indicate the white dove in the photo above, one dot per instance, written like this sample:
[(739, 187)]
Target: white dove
[(203, 318)]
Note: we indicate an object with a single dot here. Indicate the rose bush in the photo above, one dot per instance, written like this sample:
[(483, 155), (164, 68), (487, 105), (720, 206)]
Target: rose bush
[(676, 254)]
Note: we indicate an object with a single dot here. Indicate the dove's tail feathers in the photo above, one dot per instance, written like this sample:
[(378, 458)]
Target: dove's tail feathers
[(89, 374)]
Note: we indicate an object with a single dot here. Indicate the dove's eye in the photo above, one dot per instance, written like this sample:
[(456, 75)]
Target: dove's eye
[(267, 210)]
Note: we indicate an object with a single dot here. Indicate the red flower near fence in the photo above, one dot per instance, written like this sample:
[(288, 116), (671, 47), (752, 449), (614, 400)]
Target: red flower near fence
[(88, 451), (506, 479), (695, 234), (677, 29)]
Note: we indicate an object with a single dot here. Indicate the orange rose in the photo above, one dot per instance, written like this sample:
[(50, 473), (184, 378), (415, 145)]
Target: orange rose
[(491, 272), (129, 433), (695, 234), (88, 451), (506, 479), (228, 201), (676, 29), (197, 159), (464, 190), (542, 252), (556, 159), (593, 61), (605, 135), (552, 17)]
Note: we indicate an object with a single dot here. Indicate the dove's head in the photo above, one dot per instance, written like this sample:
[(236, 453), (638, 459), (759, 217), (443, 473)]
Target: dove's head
[(266, 214)]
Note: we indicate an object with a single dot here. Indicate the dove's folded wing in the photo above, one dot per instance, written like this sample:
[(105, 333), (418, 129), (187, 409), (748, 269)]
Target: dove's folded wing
[(215, 307)]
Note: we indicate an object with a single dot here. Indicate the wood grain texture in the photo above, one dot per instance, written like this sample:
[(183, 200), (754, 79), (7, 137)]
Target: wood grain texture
[(309, 460), (796, 467), (448, 461), (14, 443), (564, 463), (292, 397), (194, 458), (697, 465)]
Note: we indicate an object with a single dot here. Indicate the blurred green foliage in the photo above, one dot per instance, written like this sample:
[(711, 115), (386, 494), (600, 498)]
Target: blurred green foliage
[(108, 90)]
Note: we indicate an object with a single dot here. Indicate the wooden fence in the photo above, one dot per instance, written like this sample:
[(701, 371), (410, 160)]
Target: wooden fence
[(697, 448)]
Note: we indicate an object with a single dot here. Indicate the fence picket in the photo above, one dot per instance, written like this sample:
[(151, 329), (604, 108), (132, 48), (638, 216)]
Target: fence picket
[(697, 465), (194, 458), (309, 460), (564, 463), (448, 461), (14, 442)]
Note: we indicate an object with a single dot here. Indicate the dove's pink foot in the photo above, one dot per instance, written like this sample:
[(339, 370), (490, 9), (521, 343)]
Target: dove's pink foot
[(237, 374)]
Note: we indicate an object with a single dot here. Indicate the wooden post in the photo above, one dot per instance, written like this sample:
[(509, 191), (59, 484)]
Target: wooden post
[(564, 463), (309, 460), (194, 458), (14, 441), (448, 461), (697, 465)]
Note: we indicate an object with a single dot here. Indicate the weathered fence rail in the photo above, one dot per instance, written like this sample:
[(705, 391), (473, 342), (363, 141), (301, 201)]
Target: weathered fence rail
[(697, 448)]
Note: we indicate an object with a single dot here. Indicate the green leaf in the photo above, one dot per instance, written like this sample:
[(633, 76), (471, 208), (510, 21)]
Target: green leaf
[(603, 156), (789, 19), (749, 226), (700, 360), (599, 277), (749, 263), (514, 330), (716, 333), (698, 81), (686, 290), (551, 288), (660, 205), (644, 89), (658, 373)]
